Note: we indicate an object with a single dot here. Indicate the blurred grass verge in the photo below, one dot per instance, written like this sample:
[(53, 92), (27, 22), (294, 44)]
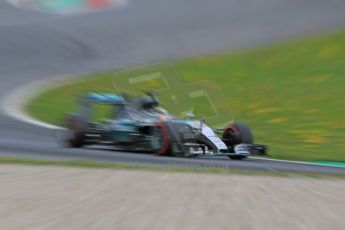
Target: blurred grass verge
[(160, 168), (292, 94)]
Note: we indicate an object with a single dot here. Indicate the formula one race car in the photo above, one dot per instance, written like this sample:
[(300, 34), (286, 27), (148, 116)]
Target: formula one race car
[(140, 124)]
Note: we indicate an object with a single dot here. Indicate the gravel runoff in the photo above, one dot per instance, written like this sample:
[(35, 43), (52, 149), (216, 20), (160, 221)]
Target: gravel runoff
[(51, 198)]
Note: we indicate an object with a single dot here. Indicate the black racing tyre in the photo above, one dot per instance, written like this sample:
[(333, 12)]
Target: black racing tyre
[(235, 134), (76, 132), (167, 139), (160, 141)]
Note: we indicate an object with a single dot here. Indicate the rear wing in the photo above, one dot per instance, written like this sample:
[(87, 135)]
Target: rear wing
[(85, 108)]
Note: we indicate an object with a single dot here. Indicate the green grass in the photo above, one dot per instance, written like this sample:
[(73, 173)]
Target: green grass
[(291, 94)]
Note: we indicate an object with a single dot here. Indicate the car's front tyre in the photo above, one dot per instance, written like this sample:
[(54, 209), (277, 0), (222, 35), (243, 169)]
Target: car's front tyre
[(236, 134)]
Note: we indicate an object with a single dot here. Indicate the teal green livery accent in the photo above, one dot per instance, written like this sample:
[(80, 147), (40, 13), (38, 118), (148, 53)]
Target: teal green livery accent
[(105, 98), (330, 163), (123, 130)]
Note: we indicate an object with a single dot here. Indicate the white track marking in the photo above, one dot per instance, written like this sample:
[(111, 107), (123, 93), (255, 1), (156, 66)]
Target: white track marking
[(13, 104)]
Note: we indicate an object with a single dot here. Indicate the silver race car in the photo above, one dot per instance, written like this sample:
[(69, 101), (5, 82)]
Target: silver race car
[(141, 124)]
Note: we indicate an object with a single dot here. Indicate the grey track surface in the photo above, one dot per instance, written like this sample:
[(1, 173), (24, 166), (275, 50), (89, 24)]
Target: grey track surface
[(36, 46)]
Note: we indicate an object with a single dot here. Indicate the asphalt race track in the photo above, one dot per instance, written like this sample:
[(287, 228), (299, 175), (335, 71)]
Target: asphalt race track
[(35, 46)]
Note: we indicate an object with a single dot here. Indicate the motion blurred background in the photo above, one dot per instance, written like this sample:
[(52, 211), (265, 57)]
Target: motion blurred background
[(277, 65), (290, 92)]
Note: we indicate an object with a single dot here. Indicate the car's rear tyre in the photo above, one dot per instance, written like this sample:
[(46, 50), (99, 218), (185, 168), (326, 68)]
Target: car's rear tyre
[(235, 134), (167, 139), (75, 128), (160, 141)]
